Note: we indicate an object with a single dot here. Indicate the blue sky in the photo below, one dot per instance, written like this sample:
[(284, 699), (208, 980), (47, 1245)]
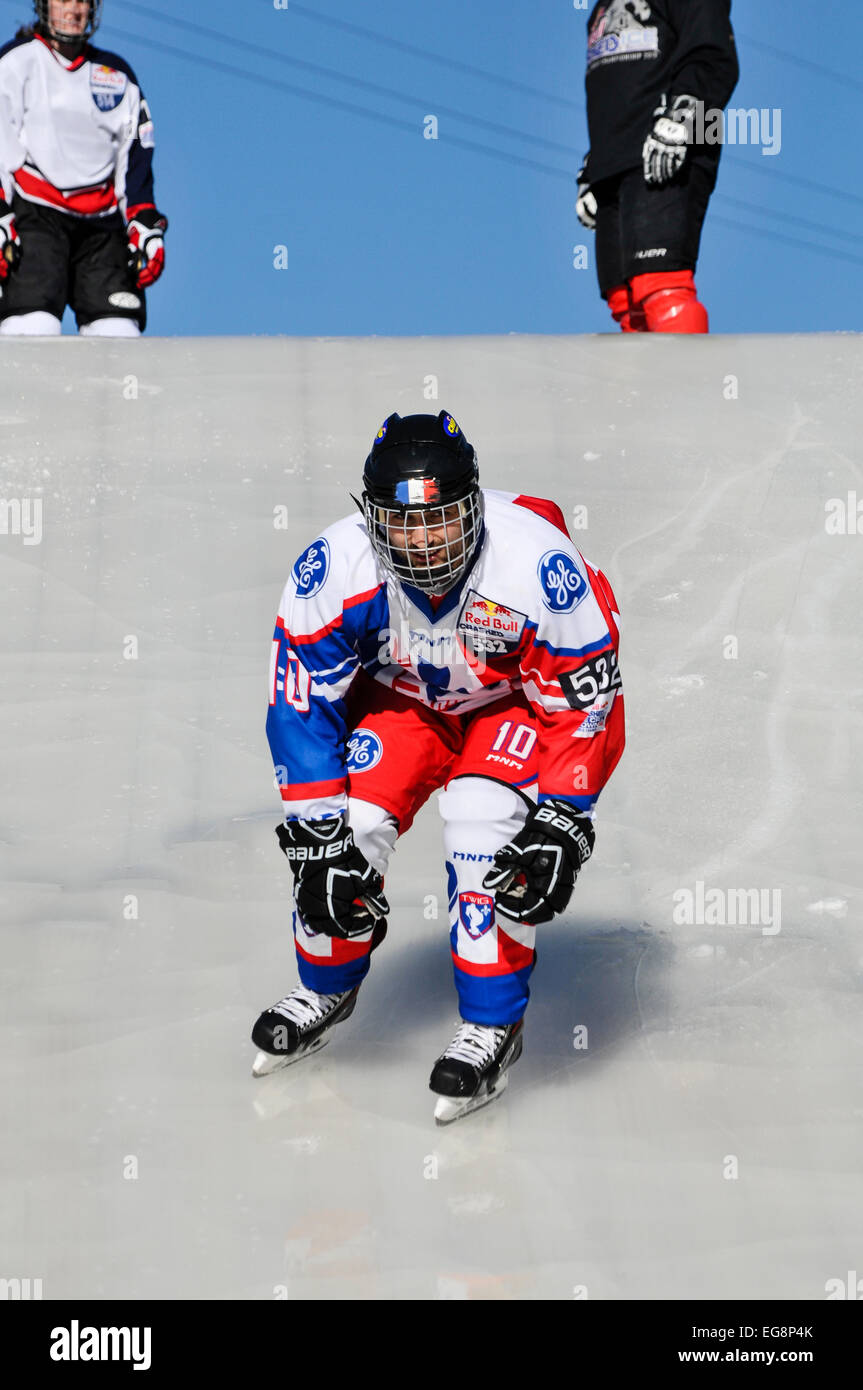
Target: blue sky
[(391, 233)]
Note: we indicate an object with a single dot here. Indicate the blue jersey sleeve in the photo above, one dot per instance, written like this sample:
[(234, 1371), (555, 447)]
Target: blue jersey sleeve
[(320, 630)]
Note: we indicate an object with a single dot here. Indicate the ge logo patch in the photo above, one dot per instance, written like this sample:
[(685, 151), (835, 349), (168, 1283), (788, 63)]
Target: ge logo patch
[(310, 571), (563, 585), (476, 913), (107, 87), (365, 750)]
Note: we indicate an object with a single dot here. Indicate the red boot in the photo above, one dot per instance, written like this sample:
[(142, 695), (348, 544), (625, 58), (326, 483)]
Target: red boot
[(669, 302), (630, 318)]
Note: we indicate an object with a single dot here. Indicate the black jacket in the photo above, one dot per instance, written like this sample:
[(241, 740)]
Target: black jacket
[(639, 49)]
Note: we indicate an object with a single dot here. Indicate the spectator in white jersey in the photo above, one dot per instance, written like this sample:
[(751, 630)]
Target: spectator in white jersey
[(78, 221)]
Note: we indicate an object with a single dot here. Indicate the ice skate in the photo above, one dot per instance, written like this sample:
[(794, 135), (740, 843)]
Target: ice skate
[(472, 1071), (297, 1026)]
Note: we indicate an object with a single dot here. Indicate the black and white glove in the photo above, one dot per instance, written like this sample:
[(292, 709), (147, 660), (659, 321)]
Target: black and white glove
[(668, 142), (337, 891), (534, 874), (10, 242), (585, 203)]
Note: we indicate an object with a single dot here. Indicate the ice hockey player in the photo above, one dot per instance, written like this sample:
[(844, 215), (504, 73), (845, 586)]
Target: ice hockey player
[(659, 75), (78, 224), (447, 637)]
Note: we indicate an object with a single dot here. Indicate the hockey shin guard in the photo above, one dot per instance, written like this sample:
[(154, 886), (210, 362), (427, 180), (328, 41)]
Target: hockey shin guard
[(492, 960)]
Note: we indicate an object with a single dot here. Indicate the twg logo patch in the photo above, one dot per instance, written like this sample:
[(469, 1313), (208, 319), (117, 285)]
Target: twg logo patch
[(563, 584), (311, 570), (365, 751), (107, 86), (476, 913)]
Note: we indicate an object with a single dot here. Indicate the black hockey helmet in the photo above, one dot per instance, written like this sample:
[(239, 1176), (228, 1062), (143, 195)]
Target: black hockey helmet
[(421, 500), (43, 15)]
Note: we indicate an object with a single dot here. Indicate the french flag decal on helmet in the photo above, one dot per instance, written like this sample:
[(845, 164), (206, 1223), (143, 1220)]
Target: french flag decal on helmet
[(417, 492)]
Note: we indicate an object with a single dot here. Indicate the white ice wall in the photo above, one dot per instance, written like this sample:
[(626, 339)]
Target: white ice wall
[(707, 468)]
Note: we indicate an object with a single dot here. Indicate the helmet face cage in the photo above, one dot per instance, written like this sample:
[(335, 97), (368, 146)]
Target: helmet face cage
[(43, 14), (395, 536)]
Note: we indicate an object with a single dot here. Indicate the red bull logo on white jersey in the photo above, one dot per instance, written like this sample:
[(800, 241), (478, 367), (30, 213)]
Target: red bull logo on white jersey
[(484, 616), (107, 86)]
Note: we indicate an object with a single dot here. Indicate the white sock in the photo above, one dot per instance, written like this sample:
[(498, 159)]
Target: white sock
[(37, 324), (110, 328)]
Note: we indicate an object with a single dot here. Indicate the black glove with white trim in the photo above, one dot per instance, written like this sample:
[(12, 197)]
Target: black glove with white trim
[(534, 874), (668, 142), (337, 891), (585, 205)]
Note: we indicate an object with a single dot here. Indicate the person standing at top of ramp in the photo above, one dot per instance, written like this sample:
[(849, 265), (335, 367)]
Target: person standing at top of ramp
[(657, 71), (78, 223)]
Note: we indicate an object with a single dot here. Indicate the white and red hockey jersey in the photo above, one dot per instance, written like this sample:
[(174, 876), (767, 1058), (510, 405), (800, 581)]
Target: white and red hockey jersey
[(75, 135), (530, 614)]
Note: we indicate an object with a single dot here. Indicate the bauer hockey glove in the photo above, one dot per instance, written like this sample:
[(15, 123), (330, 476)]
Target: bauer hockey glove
[(534, 874), (666, 146), (336, 890), (145, 232), (10, 242), (585, 203)]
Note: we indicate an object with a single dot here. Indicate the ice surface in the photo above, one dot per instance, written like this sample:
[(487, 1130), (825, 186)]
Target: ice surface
[(707, 468)]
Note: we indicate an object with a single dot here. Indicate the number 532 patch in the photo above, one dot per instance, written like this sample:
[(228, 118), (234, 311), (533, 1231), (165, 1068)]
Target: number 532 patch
[(592, 688)]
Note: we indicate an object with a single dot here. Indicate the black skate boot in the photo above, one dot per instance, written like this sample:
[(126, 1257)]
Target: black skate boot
[(472, 1071), (299, 1024)]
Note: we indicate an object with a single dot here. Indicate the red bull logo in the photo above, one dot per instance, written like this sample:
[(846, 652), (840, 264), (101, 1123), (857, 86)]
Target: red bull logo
[(493, 617), (107, 77), (484, 617)]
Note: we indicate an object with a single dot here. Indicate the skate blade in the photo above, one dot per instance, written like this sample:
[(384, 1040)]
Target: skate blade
[(266, 1063), (450, 1108)]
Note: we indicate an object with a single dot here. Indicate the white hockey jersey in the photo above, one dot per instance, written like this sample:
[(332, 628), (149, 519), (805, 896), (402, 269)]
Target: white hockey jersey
[(74, 135), (530, 614)]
